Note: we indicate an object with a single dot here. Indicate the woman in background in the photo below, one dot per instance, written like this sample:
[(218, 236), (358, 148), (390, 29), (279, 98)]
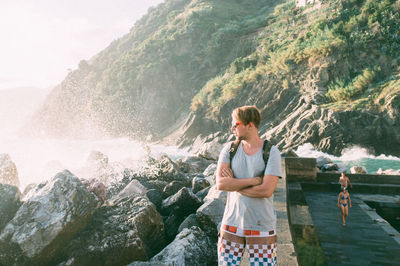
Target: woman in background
[(343, 202)]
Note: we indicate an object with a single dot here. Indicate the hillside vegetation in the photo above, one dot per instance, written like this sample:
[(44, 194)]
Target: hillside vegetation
[(358, 41), (196, 60)]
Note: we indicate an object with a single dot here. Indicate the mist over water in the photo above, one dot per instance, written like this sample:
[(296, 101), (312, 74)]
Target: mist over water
[(354, 156), (38, 159)]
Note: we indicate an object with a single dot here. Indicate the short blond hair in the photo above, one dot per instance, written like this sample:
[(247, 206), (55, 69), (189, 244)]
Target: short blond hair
[(247, 114)]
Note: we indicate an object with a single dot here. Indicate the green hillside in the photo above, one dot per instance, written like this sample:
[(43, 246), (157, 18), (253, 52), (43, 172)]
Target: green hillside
[(144, 81), (358, 41), (205, 57)]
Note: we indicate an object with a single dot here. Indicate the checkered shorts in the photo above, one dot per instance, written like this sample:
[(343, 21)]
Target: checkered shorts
[(261, 246)]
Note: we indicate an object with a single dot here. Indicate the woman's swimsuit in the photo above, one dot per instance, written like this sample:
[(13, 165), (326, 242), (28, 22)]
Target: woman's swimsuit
[(343, 198)]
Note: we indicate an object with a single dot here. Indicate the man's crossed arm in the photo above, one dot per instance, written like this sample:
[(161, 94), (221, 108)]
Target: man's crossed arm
[(255, 187)]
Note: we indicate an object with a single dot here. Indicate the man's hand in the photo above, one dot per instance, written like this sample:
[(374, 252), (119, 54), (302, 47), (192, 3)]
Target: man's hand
[(227, 172), (226, 180)]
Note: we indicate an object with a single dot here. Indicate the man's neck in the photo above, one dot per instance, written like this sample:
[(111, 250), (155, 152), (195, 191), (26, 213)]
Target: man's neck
[(252, 141)]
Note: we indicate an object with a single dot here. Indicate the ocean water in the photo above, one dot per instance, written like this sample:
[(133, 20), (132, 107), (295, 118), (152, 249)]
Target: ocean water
[(355, 156)]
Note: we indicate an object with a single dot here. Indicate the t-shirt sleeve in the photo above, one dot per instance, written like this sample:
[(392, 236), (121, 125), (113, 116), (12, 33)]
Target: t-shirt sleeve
[(274, 164), (224, 154)]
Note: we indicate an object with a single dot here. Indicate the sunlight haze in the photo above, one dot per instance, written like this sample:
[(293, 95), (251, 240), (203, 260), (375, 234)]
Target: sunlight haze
[(41, 40)]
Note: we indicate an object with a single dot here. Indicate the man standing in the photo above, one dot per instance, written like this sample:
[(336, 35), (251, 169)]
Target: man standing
[(249, 219)]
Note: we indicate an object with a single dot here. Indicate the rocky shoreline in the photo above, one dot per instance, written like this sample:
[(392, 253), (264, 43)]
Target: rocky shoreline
[(164, 213)]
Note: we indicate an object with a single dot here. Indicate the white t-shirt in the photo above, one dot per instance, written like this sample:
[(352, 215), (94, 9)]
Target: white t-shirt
[(245, 212)]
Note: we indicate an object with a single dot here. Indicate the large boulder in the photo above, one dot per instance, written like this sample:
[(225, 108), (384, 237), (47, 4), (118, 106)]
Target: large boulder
[(128, 229), (96, 187), (172, 188), (53, 213), (190, 247), (8, 171), (167, 170), (210, 150), (210, 170), (189, 221), (134, 187), (321, 161), (358, 170), (214, 193), (199, 183), (193, 164), (9, 203), (210, 215), (183, 203)]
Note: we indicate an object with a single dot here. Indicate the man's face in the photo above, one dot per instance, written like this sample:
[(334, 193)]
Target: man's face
[(239, 129)]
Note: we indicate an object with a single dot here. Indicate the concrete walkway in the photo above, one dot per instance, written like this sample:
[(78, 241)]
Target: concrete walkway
[(364, 241), (286, 254)]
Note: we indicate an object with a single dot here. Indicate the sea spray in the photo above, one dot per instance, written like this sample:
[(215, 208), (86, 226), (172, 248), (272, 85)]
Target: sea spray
[(353, 156), (40, 159)]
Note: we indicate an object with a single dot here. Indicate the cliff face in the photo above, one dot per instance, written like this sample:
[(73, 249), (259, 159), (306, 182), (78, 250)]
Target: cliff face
[(326, 74)]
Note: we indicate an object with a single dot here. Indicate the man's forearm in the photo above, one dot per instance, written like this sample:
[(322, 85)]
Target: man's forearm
[(264, 190), (254, 192), (235, 184)]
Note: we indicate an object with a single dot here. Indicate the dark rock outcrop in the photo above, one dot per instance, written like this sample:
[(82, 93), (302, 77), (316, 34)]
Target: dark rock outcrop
[(172, 188), (190, 247), (128, 229), (96, 187), (183, 203), (46, 221), (9, 203), (199, 183)]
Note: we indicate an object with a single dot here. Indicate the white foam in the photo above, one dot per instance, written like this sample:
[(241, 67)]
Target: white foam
[(353, 153)]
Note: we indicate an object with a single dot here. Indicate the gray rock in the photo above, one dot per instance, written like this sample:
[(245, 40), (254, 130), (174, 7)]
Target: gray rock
[(209, 150), (358, 170), (190, 221), (199, 183), (55, 211), (171, 224), (210, 215), (9, 203), (96, 187), (210, 170), (194, 164), (8, 171), (165, 169), (130, 229), (155, 197), (183, 203), (158, 184), (214, 193), (134, 187), (330, 167), (203, 193), (172, 188), (27, 189), (190, 247), (321, 161)]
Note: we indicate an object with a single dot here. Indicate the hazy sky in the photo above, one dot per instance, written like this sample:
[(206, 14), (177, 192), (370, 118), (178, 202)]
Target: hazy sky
[(41, 39)]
